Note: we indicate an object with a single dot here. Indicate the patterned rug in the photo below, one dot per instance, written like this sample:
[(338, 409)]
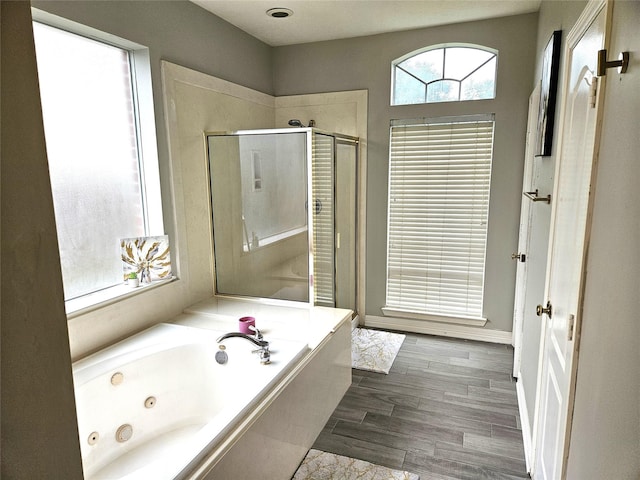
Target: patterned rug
[(374, 350), (319, 465)]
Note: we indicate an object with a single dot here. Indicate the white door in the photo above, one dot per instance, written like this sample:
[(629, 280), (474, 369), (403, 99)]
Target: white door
[(523, 236), (570, 219)]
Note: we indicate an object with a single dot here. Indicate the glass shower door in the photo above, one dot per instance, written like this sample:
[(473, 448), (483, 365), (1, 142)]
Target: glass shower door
[(258, 198), (323, 219), (334, 169), (346, 217), (262, 215)]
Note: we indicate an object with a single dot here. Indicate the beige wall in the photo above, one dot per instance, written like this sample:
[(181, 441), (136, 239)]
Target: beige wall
[(39, 431)]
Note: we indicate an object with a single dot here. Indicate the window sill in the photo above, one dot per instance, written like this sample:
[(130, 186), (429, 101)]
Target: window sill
[(102, 298), (469, 321)]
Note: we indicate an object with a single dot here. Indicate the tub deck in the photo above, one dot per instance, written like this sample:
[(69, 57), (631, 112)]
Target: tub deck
[(179, 414), (172, 397)]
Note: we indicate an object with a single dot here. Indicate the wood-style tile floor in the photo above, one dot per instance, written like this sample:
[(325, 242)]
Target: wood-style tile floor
[(447, 410)]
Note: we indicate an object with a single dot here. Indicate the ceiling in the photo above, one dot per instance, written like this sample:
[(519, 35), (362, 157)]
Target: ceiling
[(317, 20)]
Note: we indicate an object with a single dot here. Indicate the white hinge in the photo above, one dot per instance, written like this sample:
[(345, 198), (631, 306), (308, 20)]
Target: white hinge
[(572, 322), (593, 92)]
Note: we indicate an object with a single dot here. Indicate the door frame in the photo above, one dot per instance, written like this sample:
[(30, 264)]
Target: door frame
[(587, 17), (524, 233), (525, 282)]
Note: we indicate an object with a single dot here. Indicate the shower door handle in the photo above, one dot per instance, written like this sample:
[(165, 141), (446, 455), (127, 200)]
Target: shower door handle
[(317, 205)]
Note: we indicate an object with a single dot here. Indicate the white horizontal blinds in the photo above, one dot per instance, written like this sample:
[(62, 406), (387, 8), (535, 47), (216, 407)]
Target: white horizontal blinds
[(323, 220), (438, 207)]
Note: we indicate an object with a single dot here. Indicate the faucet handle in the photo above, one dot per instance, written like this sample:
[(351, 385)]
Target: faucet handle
[(256, 332), (264, 354)]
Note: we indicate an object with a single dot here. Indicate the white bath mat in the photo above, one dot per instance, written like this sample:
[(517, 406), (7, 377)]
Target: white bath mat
[(374, 350), (319, 465)]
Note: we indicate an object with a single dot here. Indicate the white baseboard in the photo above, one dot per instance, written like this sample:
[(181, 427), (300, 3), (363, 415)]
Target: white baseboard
[(438, 328), (524, 421)]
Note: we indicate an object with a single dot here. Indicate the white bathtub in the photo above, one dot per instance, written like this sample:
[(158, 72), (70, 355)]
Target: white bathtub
[(167, 399)]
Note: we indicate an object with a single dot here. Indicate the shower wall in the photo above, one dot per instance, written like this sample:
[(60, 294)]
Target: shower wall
[(202, 103)]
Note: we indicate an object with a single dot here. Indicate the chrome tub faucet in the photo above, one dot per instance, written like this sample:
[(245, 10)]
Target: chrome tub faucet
[(258, 341)]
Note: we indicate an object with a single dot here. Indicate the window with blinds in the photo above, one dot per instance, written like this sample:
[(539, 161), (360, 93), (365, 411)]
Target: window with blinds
[(439, 179)]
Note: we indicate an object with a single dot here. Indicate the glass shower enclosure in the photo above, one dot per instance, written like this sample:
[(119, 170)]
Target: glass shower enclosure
[(284, 211)]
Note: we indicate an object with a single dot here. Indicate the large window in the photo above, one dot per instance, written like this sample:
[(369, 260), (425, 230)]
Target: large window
[(444, 74), (104, 188), (440, 172)]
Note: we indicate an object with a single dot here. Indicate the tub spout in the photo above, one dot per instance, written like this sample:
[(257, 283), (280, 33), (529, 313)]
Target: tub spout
[(257, 342), (263, 345)]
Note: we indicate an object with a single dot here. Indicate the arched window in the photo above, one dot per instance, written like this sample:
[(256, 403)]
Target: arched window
[(445, 73)]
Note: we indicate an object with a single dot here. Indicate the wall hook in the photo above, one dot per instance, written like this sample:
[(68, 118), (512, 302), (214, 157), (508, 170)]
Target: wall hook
[(534, 196), (622, 63)]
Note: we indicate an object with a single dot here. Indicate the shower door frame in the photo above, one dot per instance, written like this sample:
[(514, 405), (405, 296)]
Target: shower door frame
[(354, 142)]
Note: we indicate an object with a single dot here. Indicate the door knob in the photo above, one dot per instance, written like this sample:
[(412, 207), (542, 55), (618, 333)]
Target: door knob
[(519, 256), (540, 310)]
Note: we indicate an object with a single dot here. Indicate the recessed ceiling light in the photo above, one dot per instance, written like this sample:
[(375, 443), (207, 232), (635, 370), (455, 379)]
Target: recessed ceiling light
[(279, 12)]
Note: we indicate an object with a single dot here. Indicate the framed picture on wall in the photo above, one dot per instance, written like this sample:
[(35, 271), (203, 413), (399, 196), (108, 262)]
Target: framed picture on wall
[(548, 91)]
